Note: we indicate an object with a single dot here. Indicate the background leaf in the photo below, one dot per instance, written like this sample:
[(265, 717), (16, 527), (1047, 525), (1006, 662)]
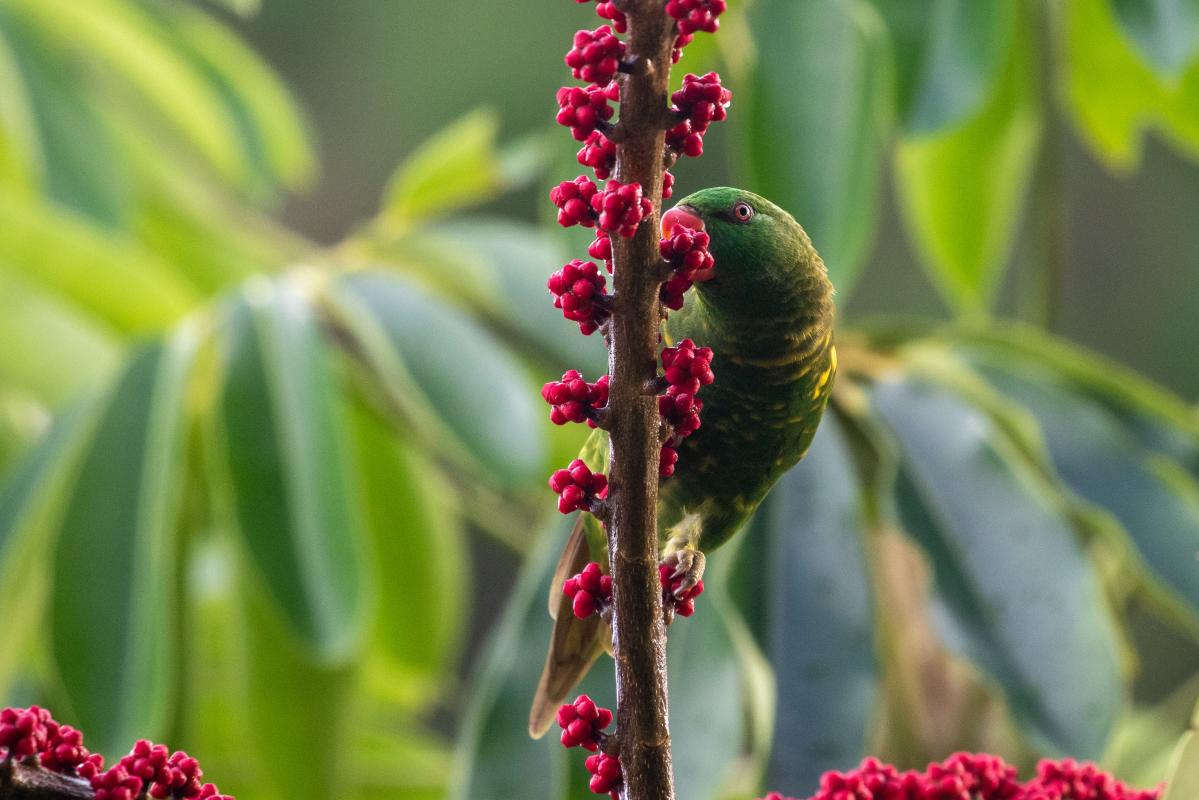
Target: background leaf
[(113, 609), (960, 209), (948, 56), (446, 371), (290, 464), (496, 759), (820, 627), (1165, 31), (1103, 464), (1020, 595), (818, 119)]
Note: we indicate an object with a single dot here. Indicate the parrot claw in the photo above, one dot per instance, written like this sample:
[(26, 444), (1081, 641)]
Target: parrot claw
[(689, 564)]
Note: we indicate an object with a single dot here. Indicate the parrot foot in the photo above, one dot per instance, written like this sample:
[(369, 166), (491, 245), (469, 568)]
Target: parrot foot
[(689, 564)]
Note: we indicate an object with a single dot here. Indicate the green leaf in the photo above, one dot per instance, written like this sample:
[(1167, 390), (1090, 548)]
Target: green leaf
[(820, 625), (49, 350), (21, 161), (22, 420), (418, 552), (446, 373), (243, 8), (1165, 31), (290, 461), (459, 167), (1018, 591), (961, 189), (520, 258), (113, 607), (819, 116), (948, 56), (495, 758), (1183, 782), (80, 168), (110, 276), (302, 704), (31, 501), (714, 673), (1102, 462), (118, 38), (270, 122), (1114, 95)]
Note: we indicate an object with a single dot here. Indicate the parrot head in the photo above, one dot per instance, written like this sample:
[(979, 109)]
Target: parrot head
[(758, 247)]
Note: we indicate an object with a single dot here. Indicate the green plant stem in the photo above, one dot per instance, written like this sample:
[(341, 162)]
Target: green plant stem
[(638, 629)]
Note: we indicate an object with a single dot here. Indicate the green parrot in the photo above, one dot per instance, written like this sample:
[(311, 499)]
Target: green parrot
[(767, 313)]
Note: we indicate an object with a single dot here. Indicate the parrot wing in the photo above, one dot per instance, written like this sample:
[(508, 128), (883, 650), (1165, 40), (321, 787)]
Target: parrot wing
[(574, 646), (575, 643)]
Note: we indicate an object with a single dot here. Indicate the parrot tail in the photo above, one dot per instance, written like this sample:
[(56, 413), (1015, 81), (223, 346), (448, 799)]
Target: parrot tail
[(575, 644)]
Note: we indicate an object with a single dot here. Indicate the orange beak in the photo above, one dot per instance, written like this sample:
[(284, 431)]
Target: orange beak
[(680, 215)]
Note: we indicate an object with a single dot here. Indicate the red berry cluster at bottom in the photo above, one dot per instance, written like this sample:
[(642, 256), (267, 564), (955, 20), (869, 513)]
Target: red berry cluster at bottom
[(583, 723), (683, 605), (605, 774), (590, 591), (971, 776), (578, 487)]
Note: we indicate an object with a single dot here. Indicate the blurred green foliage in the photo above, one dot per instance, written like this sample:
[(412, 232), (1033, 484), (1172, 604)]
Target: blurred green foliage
[(242, 474)]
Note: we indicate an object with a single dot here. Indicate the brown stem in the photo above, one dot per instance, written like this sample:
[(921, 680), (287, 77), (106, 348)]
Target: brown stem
[(638, 632), (27, 782)]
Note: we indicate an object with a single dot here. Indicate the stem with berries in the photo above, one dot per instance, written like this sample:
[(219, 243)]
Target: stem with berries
[(649, 276)]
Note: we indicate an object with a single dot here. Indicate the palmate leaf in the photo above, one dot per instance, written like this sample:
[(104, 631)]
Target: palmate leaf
[(1103, 464), (444, 372), (63, 253), (50, 350), (419, 558), (120, 38), (289, 456), (495, 758), (1114, 95), (1165, 31), (1019, 594), (948, 56), (962, 209), (810, 569), (819, 116), (31, 497), (113, 613)]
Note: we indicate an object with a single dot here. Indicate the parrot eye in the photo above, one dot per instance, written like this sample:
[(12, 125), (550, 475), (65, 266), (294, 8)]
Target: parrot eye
[(742, 212)]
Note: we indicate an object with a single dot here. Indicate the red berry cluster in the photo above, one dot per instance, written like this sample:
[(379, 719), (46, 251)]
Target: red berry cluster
[(969, 776), (29, 732), (667, 185), (573, 199), (596, 55), (23, 732), (601, 249), (574, 399), (585, 109), (580, 291), (152, 769), (687, 368), (590, 591), (578, 488), (687, 251), (599, 153), (684, 604), (606, 774), (621, 207), (618, 208), (1070, 780), (583, 723), (700, 102)]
